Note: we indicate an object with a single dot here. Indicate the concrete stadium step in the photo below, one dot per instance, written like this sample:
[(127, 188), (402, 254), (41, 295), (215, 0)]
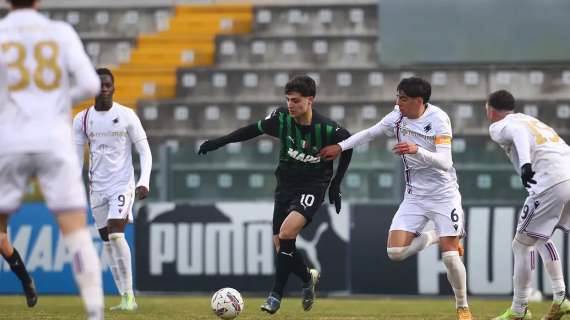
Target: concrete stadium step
[(316, 19), (466, 82), (298, 51)]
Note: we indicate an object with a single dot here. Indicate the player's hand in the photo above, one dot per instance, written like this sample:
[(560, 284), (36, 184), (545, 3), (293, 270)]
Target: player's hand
[(334, 195), (141, 192), (207, 146), (330, 152), (527, 175), (405, 148)]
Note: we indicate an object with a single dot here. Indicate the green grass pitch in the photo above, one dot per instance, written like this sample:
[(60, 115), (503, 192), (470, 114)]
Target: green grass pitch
[(198, 307)]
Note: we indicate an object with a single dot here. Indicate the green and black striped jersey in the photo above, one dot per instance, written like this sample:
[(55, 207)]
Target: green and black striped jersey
[(299, 163)]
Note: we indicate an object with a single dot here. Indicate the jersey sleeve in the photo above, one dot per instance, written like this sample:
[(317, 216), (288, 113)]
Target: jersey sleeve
[(443, 132), (134, 127), (506, 132), (270, 125), (340, 134), (87, 83), (78, 131), (388, 123), (384, 126), (499, 133)]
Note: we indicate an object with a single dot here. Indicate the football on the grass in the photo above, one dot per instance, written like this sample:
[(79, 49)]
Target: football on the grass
[(227, 303)]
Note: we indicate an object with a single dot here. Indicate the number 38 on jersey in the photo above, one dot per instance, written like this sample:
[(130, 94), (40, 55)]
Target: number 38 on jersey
[(39, 67)]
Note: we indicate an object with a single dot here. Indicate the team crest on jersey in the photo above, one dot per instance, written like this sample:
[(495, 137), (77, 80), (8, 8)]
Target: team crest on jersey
[(427, 128), (116, 120)]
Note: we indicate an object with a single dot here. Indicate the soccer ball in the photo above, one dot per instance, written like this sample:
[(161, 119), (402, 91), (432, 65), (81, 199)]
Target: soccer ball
[(227, 303)]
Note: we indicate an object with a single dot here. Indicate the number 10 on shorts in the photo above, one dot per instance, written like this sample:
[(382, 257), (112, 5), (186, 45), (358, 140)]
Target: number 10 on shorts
[(307, 200)]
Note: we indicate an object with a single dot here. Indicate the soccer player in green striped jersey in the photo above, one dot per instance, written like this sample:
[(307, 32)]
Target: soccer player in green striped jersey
[(302, 179)]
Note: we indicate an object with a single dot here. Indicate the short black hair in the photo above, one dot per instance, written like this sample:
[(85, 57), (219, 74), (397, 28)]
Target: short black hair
[(22, 3), (501, 100), (303, 84), (415, 87), (105, 71)]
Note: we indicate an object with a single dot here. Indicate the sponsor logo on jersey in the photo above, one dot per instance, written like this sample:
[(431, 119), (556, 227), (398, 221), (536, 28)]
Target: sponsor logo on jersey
[(300, 156), (407, 132), (108, 134)]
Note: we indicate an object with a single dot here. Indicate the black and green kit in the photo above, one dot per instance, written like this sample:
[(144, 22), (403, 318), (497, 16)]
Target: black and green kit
[(299, 164), (300, 167)]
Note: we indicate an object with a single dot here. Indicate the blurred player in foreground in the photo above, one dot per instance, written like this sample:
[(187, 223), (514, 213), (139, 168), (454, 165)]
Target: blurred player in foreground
[(39, 61)]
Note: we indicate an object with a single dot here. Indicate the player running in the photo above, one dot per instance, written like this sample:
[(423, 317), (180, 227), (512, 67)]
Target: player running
[(302, 179), (39, 59), (424, 135)]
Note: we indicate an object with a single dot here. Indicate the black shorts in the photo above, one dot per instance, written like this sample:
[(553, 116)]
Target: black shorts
[(305, 202)]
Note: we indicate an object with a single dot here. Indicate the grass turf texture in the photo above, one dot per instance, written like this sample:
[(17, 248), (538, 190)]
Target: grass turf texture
[(193, 307)]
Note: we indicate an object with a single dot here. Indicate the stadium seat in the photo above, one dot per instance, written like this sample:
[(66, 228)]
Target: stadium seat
[(287, 51), (213, 183), (496, 184), (336, 18), (113, 22)]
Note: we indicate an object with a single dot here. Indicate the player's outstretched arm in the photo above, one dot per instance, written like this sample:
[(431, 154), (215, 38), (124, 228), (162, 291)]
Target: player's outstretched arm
[(363, 136), (332, 151), (242, 134)]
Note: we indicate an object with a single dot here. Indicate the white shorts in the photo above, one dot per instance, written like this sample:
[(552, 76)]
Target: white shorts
[(446, 214), (58, 173), (543, 213), (113, 204)]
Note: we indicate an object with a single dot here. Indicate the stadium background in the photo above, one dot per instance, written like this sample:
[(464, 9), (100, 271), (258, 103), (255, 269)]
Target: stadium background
[(195, 71)]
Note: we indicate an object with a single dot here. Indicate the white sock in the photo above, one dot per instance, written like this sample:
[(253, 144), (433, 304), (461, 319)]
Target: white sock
[(418, 244), (553, 265), (457, 276), (108, 254), (122, 257), (524, 260), (87, 271)]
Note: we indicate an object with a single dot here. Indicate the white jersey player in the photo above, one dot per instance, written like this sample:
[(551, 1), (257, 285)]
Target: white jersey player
[(423, 133), (110, 130), (540, 156), (43, 70)]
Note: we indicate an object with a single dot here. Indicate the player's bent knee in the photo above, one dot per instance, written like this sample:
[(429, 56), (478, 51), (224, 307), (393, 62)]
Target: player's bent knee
[(287, 234), (520, 247), (397, 253), (525, 239)]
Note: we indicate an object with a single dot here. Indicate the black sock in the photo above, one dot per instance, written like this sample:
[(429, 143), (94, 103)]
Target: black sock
[(17, 265), (285, 258), (300, 268)]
